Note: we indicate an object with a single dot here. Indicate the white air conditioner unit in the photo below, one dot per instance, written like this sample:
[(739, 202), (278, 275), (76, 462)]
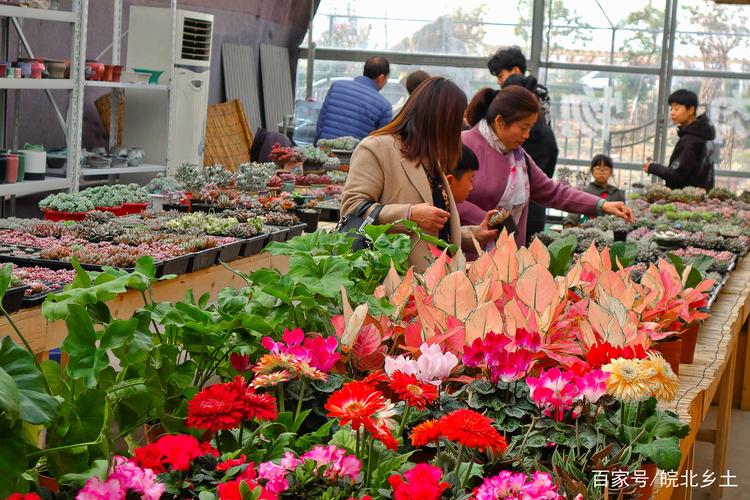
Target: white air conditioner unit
[(146, 122)]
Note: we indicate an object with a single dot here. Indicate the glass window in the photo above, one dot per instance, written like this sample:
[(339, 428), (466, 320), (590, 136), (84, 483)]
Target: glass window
[(595, 112), (595, 32), (727, 103), (468, 27), (327, 72), (712, 37)]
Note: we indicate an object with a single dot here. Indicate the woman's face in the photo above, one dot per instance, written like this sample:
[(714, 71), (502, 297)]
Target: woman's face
[(601, 174), (515, 134)]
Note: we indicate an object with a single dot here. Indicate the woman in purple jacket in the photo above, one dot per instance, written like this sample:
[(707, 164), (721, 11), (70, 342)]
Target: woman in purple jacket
[(507, 177)]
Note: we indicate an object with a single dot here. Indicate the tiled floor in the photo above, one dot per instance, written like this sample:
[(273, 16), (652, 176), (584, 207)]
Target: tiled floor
[(738, 459)]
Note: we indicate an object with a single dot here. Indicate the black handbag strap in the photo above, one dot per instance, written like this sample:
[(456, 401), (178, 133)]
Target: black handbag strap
[(362, 208), (372, 217)]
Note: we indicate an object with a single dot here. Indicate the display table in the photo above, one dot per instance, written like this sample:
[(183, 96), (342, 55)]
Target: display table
[(711, 377), (44, 336)]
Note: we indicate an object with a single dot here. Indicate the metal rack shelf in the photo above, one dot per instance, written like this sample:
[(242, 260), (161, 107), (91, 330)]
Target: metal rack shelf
[(126, 85), (41, 14), (30, 187), (141, 169), (35, 84)]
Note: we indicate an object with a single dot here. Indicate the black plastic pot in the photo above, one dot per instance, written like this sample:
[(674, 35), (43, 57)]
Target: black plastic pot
[(229, 252), (279, 234), (310, 216), (621, 235), (178, 207), (13, 299), (34, 300), (176, 265), (253, 246), (203, 259), (296, 230)]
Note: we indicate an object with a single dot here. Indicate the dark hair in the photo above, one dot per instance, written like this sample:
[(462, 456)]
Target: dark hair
[(429, 124), (376, 66), (685, 97), (507, 59), (466, 163), (513, 103), (414, 79), (599, 159)]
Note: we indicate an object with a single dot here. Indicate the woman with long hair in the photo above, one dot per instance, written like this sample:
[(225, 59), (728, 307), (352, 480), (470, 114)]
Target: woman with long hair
[(402, 167), (508, 178)]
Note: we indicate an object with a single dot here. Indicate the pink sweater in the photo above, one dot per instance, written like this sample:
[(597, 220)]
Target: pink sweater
[(492, 177)]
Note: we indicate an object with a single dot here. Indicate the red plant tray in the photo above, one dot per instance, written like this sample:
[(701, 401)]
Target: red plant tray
[(134, 208), (57, 216), (118, 211)]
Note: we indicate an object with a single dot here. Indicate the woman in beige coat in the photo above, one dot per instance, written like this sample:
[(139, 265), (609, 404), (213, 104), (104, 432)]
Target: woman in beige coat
[(402, 166)]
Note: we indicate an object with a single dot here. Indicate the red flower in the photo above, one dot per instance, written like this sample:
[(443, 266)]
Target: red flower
[(472, 430), (376, 378), (426, 432), (356, 403), (172, 452), (240, 362), (422, 483), (602, 353), (382, 434), (24, 496), (260, 406), (228, 464), (220, 406), (413, 391)]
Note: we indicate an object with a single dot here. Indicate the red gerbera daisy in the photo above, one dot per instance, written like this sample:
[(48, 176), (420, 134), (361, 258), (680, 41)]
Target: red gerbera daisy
[(356, 402), (413, 391), (427, 432), (383, 434), (217, 407), (472, 430), (260, 406)]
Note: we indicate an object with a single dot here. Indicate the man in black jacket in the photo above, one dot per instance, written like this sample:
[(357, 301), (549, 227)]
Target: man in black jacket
[(692, 161), (509, 66)]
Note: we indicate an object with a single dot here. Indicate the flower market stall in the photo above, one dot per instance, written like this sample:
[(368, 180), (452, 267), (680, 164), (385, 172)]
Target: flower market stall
[(348, 375)]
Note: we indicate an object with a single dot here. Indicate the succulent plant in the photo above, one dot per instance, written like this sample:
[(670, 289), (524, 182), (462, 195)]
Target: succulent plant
[(105, 196), (254, 176), (218, 175), (721, 194), (161, 182), (46, 229), (344, 143), (66, 202), (313, 156), (100, 216), (657, 192), (280, 219), (96, 232), (190, 176)]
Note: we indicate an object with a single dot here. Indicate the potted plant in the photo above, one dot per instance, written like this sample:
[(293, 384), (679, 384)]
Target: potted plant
[(218, 176), (191, 177), (309, 215), (65, 206), (254, 177), (286, 158)]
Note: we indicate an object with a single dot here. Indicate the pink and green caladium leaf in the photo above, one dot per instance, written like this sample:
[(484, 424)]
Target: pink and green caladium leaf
[(455, 295), (368, 353), (482, 320), (536, 288)]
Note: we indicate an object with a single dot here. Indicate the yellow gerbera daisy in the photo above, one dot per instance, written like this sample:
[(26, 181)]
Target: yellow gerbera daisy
[(628, 379), (664, 383)]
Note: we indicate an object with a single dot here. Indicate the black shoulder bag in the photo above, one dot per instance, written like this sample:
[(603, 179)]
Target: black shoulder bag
[(356, 221)]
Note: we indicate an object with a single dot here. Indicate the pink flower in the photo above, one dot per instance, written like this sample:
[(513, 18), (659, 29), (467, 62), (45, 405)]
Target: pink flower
[(291, 343), (531, 341), (240, 362), (275, 476), (509, 366), (95, 489), (553, 391), (479, 351), (290, 461), (322, 352), (433, 366), (592, 385), (339, 463), (508, 485)]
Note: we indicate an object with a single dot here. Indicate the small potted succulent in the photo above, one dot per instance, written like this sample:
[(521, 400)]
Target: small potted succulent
[(313, 158), (219, 176), (254, 177), (163, 189), (136, 199), (309, 215), (65, 206), (286, 158), (341, 147), (106, 198), (191, 177)]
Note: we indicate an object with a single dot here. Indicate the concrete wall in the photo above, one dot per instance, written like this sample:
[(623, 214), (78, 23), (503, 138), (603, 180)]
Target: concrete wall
[(250, 22)]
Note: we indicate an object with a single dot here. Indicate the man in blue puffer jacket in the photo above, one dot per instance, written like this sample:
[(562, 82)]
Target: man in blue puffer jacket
[(355, 107)]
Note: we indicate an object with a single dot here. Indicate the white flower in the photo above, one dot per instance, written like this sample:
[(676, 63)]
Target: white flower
[(433, 366)]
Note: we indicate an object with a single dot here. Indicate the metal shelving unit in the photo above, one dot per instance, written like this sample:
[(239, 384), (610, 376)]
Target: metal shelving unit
[(119, 87), (71, 123)]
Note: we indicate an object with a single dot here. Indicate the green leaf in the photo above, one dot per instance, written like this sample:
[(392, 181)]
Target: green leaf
[(344, 438), (12, 456), (36, 406), (536, 441), (561, 254), (624, 253), (145, 265), (10, 400), (6, 274), (664, 425), (99, 469), (206, 495), (664, 452)]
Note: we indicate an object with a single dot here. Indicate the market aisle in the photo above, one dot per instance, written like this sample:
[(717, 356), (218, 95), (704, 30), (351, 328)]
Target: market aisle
[(739, 457)]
